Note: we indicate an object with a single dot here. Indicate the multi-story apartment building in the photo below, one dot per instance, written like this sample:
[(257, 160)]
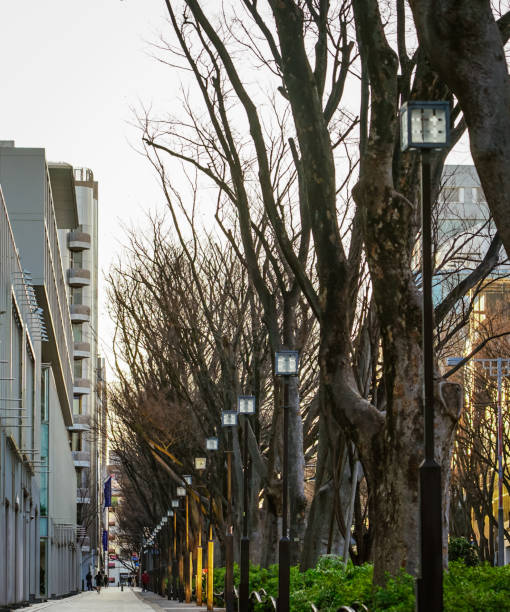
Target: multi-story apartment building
[(39, 553), (80, 249)]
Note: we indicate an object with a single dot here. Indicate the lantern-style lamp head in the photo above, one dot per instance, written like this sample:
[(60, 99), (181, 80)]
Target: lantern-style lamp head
[(181, 491), (211, 443), (187, 479), (164, 520), (246, 404), (286, 363), (200, 463), (424, 125), (170, 512), (229, 418), (175, 502)]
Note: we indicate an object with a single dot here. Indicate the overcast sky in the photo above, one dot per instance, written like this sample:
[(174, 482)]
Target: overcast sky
[(70, 73)]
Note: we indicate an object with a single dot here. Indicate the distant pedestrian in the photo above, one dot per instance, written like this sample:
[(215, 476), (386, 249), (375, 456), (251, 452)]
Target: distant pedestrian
[(145, 581), (99, 581), (89, 581), (106, 580)]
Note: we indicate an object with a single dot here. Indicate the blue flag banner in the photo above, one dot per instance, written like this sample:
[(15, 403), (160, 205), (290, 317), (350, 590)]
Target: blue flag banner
[(105, 540), (108, 493)]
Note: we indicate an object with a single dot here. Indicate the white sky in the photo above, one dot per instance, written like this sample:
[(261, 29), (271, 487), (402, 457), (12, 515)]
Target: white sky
[(70, 72)]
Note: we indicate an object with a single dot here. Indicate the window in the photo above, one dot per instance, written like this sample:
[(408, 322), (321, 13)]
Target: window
[(78, 332), (77, 296), (76, 442), (77, 405), (76, 259), (78, 369)]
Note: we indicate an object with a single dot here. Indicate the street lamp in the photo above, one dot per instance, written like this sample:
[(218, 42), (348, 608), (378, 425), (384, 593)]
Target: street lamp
[(246, 405), (183, 559), (212, 444), (497, 368), (425, 126), (229, 420), (200, 464), (175, 561), (188, 562), (286, 365)]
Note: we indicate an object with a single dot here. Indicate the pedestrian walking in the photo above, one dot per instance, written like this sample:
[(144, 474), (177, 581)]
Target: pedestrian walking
[(106, 580), (88, 577), (99, 581), (145, 581)]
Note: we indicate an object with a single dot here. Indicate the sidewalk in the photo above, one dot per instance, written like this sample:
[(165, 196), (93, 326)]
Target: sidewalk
[(162, 603), (111, 599)]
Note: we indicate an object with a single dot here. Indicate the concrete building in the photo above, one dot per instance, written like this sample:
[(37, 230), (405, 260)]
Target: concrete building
[(37, 476), (79, 247)]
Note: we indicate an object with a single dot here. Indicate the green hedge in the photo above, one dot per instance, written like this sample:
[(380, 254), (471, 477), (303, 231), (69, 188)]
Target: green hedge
[(330, 585)]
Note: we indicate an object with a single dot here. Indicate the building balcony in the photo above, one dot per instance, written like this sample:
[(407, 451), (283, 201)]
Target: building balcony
[(80, 313), (81, 459), (81, 422), (81, 386), (78, 277), (78, 241), (81, 350)]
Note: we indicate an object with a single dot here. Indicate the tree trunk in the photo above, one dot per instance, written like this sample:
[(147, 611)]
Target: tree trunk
[(297, 499), (321, 513)]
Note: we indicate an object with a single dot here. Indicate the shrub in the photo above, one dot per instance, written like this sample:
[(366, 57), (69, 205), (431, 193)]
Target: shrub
[(459, 549)]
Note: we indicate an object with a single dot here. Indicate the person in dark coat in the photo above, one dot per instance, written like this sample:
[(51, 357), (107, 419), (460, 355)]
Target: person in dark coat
[(99, 581), (88, 577)]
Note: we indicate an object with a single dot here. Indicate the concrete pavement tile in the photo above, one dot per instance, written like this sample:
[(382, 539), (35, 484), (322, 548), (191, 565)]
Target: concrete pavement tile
[(162, 603)]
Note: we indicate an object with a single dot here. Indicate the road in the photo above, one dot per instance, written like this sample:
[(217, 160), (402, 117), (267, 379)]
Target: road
[(111, 599)]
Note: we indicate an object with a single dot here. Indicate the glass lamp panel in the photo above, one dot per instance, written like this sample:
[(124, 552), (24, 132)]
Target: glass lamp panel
[(286, 363), (212, 443), (246, 404), (200, 463), (187, 479), (164, 520), (169, 512), (181, 491), (175, 503), (229, 418), (428, 125)]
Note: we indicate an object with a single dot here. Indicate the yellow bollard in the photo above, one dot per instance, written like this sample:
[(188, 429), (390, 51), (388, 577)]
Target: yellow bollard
[(199, 576), (210, 572)]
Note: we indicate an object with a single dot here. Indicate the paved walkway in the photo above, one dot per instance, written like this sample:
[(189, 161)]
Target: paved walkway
[(162, 603), (112, 599)]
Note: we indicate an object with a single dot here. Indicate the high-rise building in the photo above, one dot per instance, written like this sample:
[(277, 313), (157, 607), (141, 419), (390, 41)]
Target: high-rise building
[(80, 249), (39, 553), (52, 390)]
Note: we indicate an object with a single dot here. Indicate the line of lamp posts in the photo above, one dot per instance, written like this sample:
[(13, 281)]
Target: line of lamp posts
[(166, 539)]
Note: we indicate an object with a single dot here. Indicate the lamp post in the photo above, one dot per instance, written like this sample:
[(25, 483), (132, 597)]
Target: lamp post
[(212, 444), (286, 365), (169, 515), (425, 126), (200, 465), (175, 562), (497, 368), (183, 560), (246, 405), (188, 561), (229, 420)]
